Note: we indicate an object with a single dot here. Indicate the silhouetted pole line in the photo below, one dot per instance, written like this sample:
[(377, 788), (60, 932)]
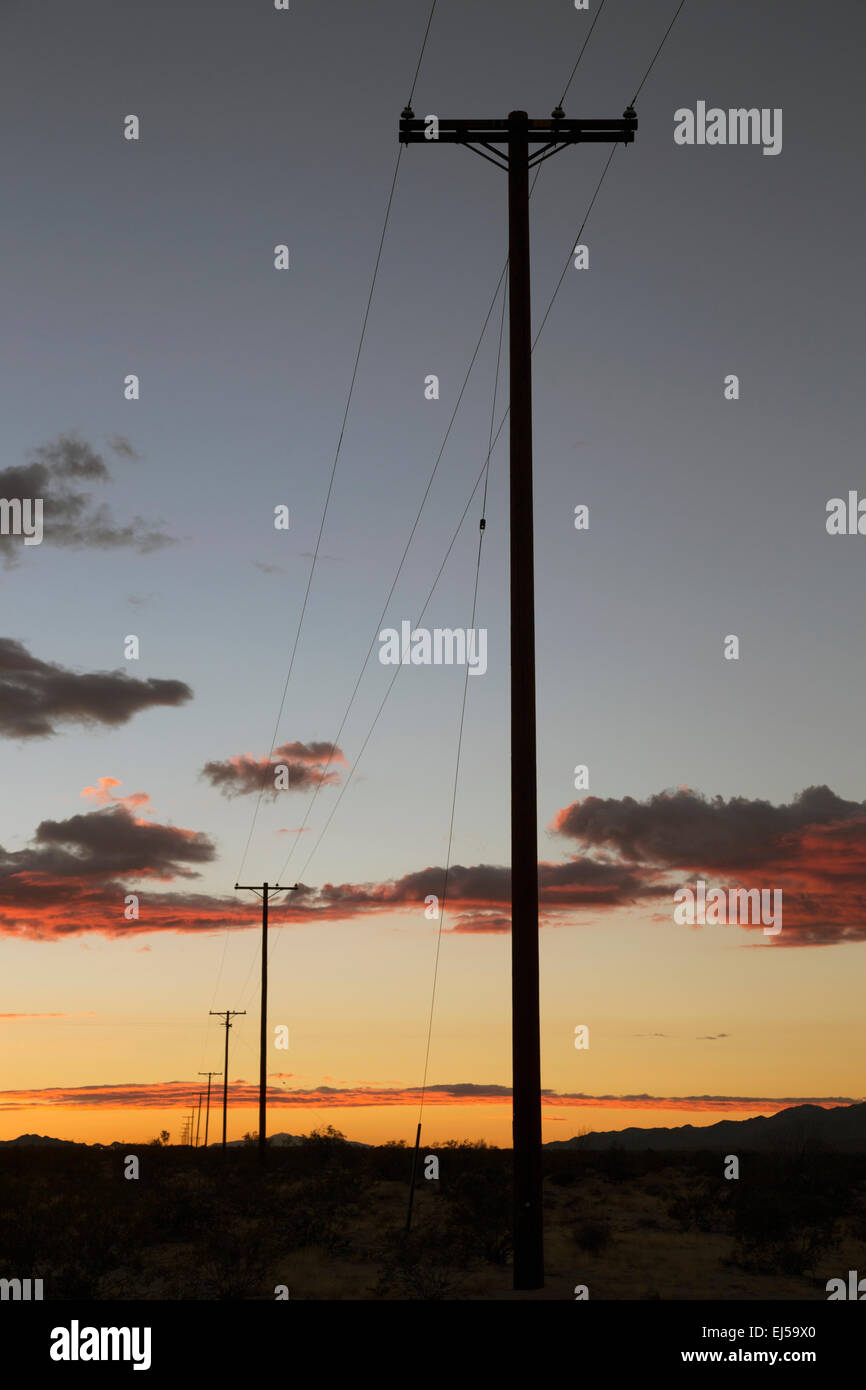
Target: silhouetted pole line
[(208, 1074), (229, 1015), (266, 890), (516, 134), (198, 1119), (412, 1180)]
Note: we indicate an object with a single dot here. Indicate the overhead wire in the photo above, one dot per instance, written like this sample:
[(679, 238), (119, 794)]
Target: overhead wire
[(481, 474), (327, 497), (444, 900), (657, 52), (334, 743)]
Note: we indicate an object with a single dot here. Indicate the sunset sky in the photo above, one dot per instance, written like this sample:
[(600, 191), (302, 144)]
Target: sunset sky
[(707, 518)]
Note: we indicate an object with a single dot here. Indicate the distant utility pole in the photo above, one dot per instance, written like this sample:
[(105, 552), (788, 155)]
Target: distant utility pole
[(208, 1074), (266, 889), (198, 1119), (517, 134), (229, 1014)]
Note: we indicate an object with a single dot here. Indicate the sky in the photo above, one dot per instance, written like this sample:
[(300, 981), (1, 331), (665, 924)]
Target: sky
[(140, 775)]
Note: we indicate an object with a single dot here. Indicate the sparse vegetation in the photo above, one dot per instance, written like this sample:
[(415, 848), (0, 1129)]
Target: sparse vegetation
[(327, 1219)]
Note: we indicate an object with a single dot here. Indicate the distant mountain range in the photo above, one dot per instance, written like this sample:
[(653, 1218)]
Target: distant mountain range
[(843, 1129)]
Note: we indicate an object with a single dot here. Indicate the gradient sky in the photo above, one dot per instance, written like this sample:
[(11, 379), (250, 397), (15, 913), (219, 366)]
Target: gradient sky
[(707, 517)]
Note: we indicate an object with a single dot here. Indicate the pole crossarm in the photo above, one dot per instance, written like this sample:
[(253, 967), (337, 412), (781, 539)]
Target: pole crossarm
[(272, 887), (552, 135)]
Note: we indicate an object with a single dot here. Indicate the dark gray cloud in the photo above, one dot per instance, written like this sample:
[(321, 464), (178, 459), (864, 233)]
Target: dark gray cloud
[(686, 830), (813, 849), (63, 474), (243, 775), (36, 696), (103, 844)]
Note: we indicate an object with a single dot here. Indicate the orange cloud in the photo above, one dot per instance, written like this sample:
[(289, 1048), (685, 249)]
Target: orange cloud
[(101, 794), (90, 1013), (182, 1094), (76, 873)]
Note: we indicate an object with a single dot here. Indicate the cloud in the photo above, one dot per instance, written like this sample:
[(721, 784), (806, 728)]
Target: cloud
[(121, 445), (75, 874), (711, 1037), (108, 842), (813, 849), (182, 1094), (63, 474), (14, 1018), (36, 696), (479, 897), (269, 569), (306, 763), (102, 795)]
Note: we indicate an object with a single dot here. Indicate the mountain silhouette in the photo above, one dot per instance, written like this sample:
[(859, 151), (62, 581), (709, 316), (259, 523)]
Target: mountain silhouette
[(842, 1129)]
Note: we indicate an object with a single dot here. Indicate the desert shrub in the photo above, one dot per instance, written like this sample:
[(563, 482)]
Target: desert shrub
[(479, 1209), (784, 1223), (422, 1265), (593, 1236)]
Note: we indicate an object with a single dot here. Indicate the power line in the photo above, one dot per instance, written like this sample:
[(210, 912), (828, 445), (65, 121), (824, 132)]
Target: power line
[(406, 548), (398, 669), (444, 900), (414, 527), (581, 53), (657, 52), (325, 509), (481, 474), (272, 744), (336, 456), (481, 531), (459, 527), (421, 54)]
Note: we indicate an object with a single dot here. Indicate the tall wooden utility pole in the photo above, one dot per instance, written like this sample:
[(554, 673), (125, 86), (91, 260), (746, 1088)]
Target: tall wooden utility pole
[(229, 1015), (266, 889), (208, 1074), (198, 1119), (516, 135)]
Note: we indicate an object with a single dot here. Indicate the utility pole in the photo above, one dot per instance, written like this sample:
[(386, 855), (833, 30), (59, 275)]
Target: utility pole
[(229, 1014), (208, 1074), (266, 890), (516, 134), (198, 1119)]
